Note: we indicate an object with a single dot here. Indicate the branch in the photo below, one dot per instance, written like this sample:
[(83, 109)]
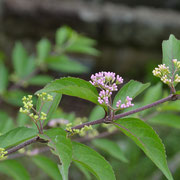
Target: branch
[(172, 97)]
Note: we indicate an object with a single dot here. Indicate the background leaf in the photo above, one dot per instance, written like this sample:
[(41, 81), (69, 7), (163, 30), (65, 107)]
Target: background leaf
[(48, 166), (147, 139), (43, 50), (16, 136), (3, 77), (19, 57), (92, 161), (111, 148), (62, 148), (65, 64), (6, 123), (131, 89), (40, 80), (167, 119), (14, 169)]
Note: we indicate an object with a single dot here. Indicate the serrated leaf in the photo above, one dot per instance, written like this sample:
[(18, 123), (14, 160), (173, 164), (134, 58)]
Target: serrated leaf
[(40, 80), (48, 166), (43, 50), (92, 161), (167, 119), (65, 64), (131, 89), (19, 57), (3, 77), (73, 87), (14, 169), (147, 139), (6, 123), (49, 107), (171, 50), (62, 147), (111, 148), (16, 136)]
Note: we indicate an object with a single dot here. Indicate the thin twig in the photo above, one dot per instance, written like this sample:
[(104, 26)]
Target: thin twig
[(104, 120)]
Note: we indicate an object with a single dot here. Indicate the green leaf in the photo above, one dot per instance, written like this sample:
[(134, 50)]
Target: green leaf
[(131, 89), (49, 107), (40, 80), (170, 106), (6, 123), (17, 136), (147, 139), (167, 119), (153, 94), (81, 48), (43, 50), (19, 57), (111, 148), (73, 87), (63, 34), (65, 64), (3, 77), (29, 69), (14, 97), (14, 169), (22, 119), (62, 147), (97, 113), (48, 166), (83, 170), (92, 161), (171, 50)]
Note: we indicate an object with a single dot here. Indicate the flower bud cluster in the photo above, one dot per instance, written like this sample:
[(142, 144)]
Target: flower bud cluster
[(126, 104), (107, 82), (81, 132), (176, 63), (3, 153), (45, 97), (28, 104), (163, 72), (28, 107)]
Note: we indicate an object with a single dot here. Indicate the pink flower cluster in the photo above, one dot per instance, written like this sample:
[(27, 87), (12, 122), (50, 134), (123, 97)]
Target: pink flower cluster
[(107, 82), (126, 104)]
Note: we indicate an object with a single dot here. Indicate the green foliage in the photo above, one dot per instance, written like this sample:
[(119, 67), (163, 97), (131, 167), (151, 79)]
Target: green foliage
[(167, 119), (72, 87), (92, 161), (48, 166), (171, 50), (65, 64), (17, 136), (14, 169), (147, 139), (131, 89), (110, 147), (61, 147), (40, 80), (49, 107), (6, 122), (3, 77)]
